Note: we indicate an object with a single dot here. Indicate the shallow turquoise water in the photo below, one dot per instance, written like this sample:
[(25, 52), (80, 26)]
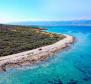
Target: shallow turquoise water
[(72, 66)]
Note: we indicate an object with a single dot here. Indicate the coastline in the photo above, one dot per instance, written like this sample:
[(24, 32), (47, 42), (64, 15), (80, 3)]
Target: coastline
[(34, 56)]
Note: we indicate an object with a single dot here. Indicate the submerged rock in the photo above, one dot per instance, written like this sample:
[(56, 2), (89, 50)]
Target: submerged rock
[(87, 78), (55, 81), (72, 82)]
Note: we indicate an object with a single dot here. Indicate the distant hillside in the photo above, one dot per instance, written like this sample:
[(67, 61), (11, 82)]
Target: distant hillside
[(57, 23)]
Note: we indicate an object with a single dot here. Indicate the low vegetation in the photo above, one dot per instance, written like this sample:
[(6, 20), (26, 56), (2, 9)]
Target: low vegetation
[(15, 39)]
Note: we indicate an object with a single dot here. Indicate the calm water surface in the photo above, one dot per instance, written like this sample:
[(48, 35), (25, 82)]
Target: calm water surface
[(72, 66)]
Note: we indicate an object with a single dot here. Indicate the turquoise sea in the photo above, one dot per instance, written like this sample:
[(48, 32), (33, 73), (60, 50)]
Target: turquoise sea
[(71, 66)]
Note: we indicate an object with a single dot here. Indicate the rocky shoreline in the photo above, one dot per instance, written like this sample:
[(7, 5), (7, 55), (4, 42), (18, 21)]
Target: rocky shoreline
[(34, 56)]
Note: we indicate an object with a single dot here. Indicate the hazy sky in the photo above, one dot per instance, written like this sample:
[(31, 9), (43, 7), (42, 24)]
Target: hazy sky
[(27, 10)]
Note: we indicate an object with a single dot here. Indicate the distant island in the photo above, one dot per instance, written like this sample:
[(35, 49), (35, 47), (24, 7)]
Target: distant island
[(22, 44), (55, 23)]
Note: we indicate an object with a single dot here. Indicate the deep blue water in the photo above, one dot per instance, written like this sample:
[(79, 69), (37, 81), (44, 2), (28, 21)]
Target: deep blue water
[(72, 66)]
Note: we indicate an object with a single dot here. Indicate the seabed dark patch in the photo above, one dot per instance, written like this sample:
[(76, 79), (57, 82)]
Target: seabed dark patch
[(72, 82)]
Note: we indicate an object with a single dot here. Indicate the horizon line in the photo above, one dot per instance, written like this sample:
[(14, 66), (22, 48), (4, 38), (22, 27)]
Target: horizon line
[(15, 21)]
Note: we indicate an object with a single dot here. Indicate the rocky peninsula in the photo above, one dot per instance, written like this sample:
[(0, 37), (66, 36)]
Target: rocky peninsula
[(21, 45), (34, 56)]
